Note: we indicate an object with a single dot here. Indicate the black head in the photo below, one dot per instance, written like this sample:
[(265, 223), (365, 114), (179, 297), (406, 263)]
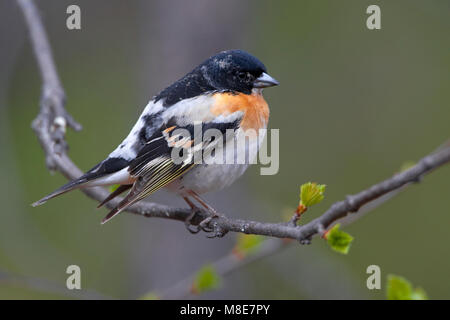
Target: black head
[(231, 70), (235, 70)]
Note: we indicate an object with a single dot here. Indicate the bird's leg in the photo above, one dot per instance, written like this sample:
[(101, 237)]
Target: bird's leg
[(204, 203), (204, 224), (188, 221)]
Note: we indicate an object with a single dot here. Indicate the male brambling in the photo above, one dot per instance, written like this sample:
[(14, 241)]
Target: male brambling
[(223, 93)]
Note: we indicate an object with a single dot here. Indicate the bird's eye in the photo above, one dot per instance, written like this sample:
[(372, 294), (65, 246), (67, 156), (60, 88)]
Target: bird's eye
[(242, 75)]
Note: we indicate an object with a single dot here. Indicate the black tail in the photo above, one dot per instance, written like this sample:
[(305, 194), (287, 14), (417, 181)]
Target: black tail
[(74, 184), (104, 168)]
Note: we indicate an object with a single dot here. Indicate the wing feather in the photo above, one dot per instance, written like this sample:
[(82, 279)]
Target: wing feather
[(154, 167)]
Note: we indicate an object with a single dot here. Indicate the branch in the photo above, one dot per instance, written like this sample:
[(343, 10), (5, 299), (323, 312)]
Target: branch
[(231, 262), (50, 126)]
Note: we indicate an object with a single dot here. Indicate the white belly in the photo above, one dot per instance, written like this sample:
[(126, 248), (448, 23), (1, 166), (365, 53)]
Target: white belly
[(212, 177), (205, 178)]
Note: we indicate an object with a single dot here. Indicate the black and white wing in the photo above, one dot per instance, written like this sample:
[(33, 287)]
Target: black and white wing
[(168, 154)]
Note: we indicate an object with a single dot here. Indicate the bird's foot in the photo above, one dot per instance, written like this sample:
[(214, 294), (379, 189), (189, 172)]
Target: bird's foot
[(204, 225), (188, 223), (215, 231)]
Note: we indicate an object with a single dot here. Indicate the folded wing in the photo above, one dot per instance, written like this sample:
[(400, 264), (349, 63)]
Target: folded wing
[(168, 154)]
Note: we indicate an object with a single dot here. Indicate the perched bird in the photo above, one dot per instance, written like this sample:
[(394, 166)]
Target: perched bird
[(223, 93)]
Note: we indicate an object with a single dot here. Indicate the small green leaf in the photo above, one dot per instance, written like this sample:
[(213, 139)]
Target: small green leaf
[(206, 279), (398, 288), (247, 243), (311, 193), (339, 240), (113, 187)]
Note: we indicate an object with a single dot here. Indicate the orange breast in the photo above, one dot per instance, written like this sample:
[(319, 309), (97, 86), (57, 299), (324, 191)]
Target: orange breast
[(254, 107)]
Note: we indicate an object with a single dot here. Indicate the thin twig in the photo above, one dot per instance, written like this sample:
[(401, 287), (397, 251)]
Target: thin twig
[(50, 129)]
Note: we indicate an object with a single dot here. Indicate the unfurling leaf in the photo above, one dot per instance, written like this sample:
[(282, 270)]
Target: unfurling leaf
[(338, 240), (206, 279), (398, 288), (311, 193)]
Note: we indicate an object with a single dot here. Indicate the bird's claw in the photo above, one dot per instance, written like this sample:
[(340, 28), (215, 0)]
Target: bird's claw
[(216, 231), (203, 225), (188, 223)]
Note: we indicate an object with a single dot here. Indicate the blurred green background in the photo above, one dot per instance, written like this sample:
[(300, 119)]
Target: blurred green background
[(352, 107)]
